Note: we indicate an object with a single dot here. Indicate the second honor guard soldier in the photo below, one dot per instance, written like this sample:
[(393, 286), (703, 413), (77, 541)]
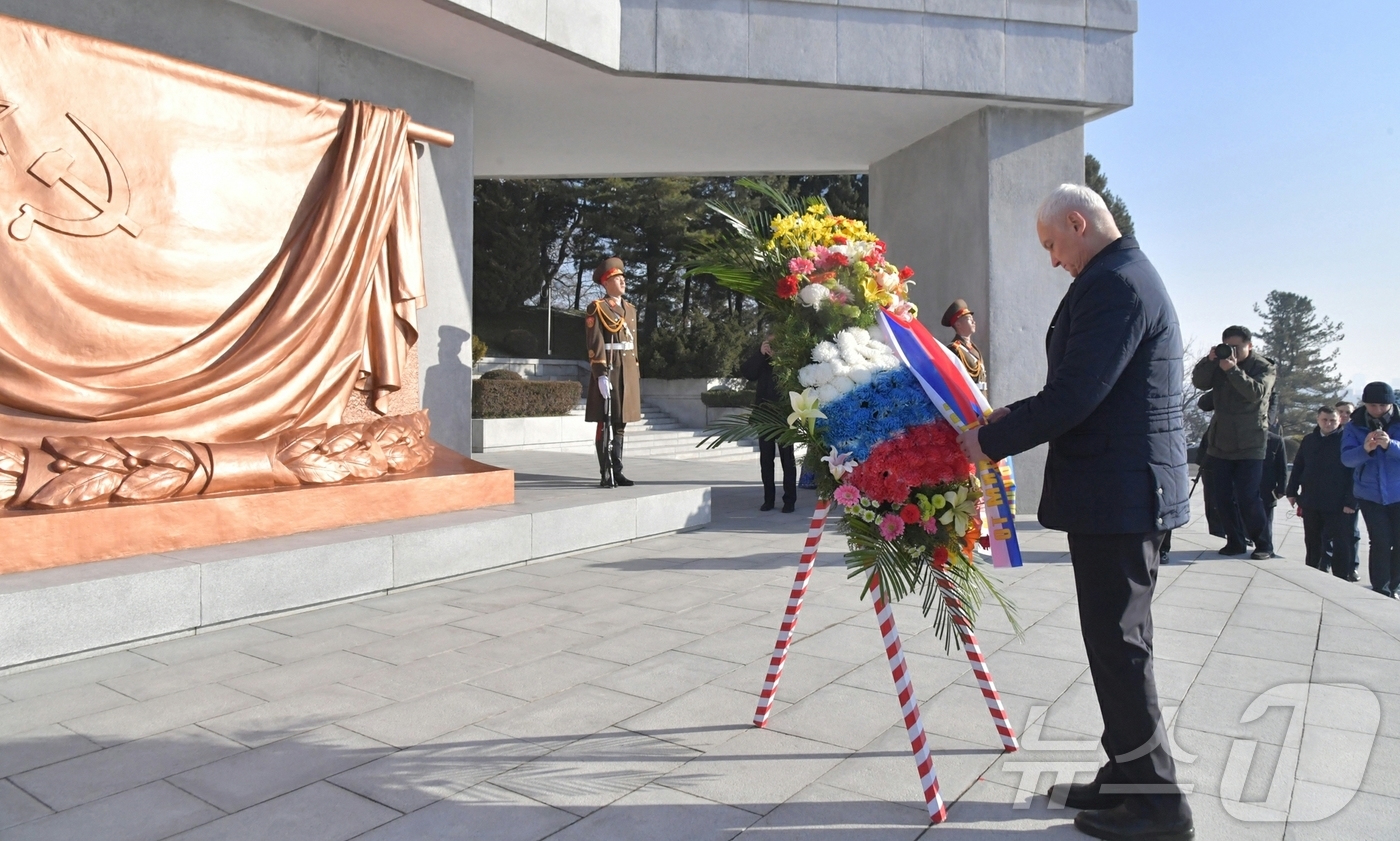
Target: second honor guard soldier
[(959, 317), (615, 389)]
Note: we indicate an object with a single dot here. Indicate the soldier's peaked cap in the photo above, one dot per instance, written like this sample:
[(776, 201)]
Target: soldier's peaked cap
[(606, 269), (955, 310)]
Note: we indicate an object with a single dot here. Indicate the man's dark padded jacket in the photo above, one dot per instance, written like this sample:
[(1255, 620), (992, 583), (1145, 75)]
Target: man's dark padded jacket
[(1111, 406)]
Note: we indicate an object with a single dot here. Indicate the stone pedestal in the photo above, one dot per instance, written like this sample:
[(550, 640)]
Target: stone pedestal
[(959, 206)]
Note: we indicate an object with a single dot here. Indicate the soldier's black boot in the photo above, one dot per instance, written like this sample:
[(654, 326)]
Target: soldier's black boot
[(604, 466), (621, 480)]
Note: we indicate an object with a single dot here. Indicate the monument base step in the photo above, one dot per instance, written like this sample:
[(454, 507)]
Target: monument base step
[(54, 614)]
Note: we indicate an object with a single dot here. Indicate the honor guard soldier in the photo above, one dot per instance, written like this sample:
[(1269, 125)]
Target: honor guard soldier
[(614, 390), (959, 317)]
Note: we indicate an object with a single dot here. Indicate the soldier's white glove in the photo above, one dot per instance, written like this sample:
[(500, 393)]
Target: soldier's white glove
[(604, 387)]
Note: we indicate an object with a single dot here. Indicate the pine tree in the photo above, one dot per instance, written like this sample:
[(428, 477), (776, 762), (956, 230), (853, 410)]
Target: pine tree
[(1298, 340), (1095, 180)]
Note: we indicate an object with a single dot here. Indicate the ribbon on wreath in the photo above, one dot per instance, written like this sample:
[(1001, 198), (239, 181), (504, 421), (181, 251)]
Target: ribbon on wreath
[(962, 404)]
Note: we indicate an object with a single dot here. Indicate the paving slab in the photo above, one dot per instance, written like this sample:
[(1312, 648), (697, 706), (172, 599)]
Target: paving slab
[(610, 695)]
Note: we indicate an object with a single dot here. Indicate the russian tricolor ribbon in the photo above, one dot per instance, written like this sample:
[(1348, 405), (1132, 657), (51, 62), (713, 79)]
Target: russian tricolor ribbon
[(962, 404)]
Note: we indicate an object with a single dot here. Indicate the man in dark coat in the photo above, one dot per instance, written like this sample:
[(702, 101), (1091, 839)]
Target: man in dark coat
[(759, 368), (1116, 481), (1321, 487), (1272, 481)]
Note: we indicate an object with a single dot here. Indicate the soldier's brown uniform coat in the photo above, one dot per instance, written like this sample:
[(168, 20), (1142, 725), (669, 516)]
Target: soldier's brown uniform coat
[(971, 359), (625, 375)]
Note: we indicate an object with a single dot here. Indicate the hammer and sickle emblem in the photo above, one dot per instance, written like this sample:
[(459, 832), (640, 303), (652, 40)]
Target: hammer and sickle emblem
[(54, 168)]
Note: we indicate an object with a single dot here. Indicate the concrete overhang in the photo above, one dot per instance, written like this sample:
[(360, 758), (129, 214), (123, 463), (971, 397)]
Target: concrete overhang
[(571, 88)]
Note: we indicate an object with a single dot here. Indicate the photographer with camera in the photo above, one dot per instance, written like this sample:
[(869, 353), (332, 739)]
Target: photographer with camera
[(1240, 382), (1369, 449)]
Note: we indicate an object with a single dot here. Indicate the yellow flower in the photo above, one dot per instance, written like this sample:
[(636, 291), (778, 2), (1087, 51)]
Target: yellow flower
[(959, 509)]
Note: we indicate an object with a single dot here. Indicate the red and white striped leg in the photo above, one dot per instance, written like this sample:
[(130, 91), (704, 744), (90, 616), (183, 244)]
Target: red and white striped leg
[(908, 702), (979, 664), (799, 590)]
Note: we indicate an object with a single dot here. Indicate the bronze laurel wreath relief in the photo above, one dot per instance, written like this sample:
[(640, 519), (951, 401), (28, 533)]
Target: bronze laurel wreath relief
[(76, 471)]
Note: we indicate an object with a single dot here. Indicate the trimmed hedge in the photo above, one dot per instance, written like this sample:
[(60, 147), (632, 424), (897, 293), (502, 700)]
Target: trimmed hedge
[(502, 374), (728, 398), (515, 398)]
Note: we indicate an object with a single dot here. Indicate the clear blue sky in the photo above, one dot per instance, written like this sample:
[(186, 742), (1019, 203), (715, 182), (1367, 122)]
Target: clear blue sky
[(1263, 152)]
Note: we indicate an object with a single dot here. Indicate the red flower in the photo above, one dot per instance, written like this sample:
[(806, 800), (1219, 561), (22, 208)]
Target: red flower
[(922, 455), (787, 287), (906, 273), (839, 240), (910, 514), (840, 259), (940, 556), (872, 259)]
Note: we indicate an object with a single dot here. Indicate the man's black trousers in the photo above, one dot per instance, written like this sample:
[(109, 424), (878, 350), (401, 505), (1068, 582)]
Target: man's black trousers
[(766, 451), (1329, 539), (1114, 576), (1238, 482), (1383, 527)]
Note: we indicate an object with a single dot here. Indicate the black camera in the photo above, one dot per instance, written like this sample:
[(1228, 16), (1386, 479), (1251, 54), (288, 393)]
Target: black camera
[(1224, 351)]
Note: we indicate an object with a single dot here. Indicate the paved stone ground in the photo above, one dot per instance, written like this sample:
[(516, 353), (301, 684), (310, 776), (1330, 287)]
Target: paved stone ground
[(608, 696)]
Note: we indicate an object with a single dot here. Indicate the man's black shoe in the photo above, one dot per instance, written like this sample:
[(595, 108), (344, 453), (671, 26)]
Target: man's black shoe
[(789, 507), (1353, 577), (1232, 549), (623, 481), (1122, 824), (1261, 555), (767, 506), (606, 483), (1082, 796)]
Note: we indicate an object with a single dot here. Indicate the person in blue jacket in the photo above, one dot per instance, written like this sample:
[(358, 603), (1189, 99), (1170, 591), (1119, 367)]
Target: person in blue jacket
[(1115, 480), (1369, 449)]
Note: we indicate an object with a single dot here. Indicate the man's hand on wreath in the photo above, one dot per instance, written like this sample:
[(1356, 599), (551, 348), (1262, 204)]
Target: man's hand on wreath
[(971, 447)]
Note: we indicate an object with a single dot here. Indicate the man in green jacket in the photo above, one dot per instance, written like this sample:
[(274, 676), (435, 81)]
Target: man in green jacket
[(1238, 437)]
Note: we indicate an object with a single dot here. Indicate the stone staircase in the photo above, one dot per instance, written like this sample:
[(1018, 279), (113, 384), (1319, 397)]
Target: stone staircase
[(658, 435)]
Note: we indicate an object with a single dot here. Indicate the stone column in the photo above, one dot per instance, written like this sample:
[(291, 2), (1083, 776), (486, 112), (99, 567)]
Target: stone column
[(959, 207)]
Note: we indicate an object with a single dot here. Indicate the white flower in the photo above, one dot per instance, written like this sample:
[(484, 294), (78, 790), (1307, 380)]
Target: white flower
[(839, 368), (813, 294), (815, 375), (843, 384), (805, 407), (862, 375), (827, 394), (859, 335), (840, 463), (824, 352)]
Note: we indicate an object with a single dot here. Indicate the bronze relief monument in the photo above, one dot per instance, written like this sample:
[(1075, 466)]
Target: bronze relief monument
[(198, 274)]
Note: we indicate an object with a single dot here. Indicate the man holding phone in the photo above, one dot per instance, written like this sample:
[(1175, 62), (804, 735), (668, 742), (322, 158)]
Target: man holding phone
[(1240, 382)]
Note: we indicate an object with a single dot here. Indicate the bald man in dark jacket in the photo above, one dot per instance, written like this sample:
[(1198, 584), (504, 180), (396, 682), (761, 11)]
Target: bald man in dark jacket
[(1116, 481)]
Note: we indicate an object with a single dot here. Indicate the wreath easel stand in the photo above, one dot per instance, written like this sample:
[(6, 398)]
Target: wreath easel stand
[(894, 651)]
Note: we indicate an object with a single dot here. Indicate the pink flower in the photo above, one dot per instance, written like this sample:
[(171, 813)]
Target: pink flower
[(931, 525), (891, 526), (847, 495), (801, 265)]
